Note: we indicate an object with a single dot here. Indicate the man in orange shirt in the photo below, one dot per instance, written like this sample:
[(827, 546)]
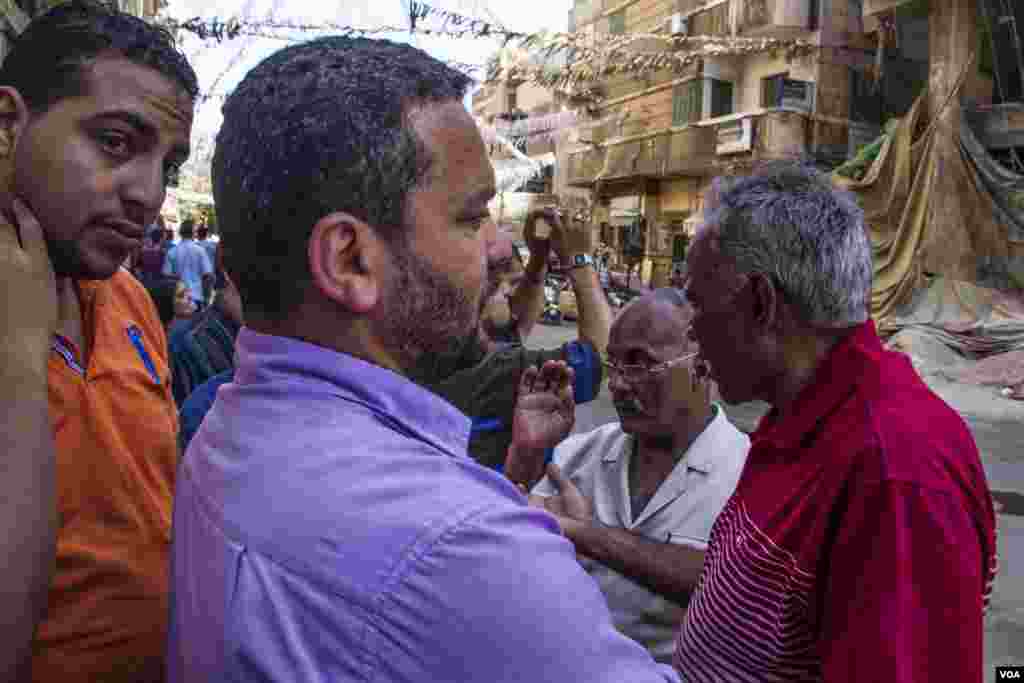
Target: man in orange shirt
[(95, 114)]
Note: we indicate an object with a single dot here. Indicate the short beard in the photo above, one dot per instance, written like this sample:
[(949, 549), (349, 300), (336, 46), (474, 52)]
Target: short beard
[(65, 259), (431, 325)]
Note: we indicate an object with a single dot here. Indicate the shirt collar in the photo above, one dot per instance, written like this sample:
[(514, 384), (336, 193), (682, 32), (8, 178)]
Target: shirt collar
[(699, 456), (702, 452), (842, 370), (308, 369)]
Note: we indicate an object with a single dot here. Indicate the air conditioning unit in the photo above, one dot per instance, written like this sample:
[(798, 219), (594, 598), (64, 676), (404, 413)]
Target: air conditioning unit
[(735, 136), (679, 24), (797, 95)]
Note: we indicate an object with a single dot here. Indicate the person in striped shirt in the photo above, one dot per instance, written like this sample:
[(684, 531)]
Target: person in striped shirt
[(860, 541)]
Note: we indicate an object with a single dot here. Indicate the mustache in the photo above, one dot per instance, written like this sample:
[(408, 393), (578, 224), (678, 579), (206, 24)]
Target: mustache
[(630, 406)]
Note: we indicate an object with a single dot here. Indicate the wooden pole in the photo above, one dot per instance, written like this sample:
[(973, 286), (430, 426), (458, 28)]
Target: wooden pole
[(952, 41)]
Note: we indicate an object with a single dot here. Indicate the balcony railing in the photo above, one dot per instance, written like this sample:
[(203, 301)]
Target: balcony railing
[(713, 21), (764, 136), (638, 158), (703, 149), (773, 17), (598, 133), (781, 135), (690, 150), (620, 85), (582, 167), (872, 7)]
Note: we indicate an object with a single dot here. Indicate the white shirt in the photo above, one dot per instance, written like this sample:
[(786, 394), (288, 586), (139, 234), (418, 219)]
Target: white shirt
[(682, 510)]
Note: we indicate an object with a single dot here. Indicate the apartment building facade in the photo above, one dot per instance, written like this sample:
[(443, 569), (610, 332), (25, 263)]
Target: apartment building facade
[(659, 138), (510, 100)]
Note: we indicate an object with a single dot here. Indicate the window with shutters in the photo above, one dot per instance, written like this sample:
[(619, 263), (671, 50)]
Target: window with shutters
[(688, 102), (721, 98), (772, 89), (617, 22)]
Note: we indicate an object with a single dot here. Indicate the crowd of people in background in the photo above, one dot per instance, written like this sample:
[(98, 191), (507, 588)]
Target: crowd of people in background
[(319, 450)]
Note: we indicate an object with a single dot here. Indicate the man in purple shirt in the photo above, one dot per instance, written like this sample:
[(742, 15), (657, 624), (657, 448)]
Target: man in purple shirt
[(328, 524)]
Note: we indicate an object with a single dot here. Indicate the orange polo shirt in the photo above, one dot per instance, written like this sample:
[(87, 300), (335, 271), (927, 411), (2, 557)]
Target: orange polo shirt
[(116, 430)]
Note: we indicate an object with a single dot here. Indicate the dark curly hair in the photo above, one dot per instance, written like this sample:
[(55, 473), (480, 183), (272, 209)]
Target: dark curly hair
[(317, 128), (47, 61)]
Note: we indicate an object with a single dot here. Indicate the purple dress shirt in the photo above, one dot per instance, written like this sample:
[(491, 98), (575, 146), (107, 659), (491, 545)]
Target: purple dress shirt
[(328, 526)]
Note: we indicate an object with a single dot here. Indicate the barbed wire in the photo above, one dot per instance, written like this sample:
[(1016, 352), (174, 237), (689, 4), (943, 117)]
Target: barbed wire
[(587, 58), (220, 96)]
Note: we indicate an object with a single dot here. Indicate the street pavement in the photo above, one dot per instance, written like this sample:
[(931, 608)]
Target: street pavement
[(998, 427)]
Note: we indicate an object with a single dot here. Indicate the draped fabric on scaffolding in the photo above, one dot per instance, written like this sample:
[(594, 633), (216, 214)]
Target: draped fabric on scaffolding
[(964, 332), (1004, 185), (910, 237), (931, 268)]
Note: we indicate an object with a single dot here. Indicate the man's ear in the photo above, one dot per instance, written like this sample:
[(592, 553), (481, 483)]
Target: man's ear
[(14, 117), (347, 262), (766, 302)]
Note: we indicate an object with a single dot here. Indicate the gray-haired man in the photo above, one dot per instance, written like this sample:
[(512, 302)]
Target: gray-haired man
[(859, 544)]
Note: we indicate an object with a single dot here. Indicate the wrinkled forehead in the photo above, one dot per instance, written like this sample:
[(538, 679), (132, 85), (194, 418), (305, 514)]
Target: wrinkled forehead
[(116, 82)]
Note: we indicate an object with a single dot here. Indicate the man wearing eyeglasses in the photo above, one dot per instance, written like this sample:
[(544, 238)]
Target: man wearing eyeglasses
[(638, 497)]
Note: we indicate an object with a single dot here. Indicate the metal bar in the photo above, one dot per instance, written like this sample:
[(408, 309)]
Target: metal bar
[(988, 13), (1015, 30)]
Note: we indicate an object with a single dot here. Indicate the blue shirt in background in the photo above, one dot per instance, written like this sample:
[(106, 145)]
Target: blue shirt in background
[(189, 261)]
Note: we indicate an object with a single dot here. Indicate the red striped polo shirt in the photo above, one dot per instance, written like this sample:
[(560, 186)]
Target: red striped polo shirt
[(859, 544)]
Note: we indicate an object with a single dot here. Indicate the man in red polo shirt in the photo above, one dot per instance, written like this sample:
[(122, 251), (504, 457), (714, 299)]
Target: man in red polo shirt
[(860, 542)]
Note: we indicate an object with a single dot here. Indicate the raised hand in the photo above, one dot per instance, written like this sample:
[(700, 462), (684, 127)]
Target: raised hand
[(28, 300), (28, 513), (544, 415), (545, 409), (569, 506), (540, 247), (569, 237)]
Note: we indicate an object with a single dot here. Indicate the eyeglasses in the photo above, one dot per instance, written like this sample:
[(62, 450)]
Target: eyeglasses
[(637, 373)]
